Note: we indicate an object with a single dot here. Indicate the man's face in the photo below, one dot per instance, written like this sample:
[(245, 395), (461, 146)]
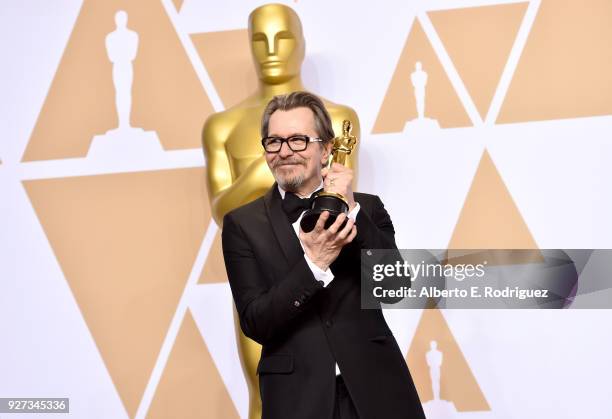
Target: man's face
[(277, 43), (296, 169)]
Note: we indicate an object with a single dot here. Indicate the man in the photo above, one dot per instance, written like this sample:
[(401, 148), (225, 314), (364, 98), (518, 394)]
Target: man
[(298, 294)]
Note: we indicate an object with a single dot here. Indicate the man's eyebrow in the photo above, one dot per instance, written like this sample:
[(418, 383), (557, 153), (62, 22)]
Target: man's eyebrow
[(290, 135)]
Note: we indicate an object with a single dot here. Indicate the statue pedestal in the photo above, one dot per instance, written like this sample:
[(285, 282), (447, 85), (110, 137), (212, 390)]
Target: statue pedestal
[(128, 142), (439, 409)]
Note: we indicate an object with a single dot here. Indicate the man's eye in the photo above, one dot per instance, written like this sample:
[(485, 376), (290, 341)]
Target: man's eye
[(274, 140), (297, 139)]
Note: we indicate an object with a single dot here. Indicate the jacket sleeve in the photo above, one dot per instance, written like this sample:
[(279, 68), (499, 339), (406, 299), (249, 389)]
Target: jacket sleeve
[(375, 229), (265, 311)]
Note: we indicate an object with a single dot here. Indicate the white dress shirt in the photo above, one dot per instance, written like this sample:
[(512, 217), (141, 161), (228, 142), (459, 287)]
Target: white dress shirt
[(320, 275)]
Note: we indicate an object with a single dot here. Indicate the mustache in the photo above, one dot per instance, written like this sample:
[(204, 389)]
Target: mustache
[(288, 162)]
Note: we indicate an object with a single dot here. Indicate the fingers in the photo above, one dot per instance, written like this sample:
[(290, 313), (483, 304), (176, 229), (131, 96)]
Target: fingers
[(348, 233), (338, 179), (352, 235), (346, 230), (320, 225), (337, 167), (334, 233), (324, 172), (333, 229)]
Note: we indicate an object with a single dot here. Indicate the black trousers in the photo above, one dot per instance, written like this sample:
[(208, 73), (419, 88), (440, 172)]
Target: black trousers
[(343, 407)]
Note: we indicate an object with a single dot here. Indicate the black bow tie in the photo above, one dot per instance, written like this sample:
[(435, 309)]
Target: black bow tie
[(294, 206)]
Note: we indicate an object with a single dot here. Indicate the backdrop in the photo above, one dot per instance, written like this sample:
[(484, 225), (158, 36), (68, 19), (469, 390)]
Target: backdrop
[(112, 287)]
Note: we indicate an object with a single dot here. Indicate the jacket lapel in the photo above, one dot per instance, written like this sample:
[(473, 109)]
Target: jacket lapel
[(287, 239)]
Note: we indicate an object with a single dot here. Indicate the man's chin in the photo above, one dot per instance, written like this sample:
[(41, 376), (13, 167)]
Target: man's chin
[(290, 183)]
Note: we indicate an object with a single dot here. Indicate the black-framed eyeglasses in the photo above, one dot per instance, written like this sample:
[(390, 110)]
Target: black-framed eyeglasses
[(295, 143)]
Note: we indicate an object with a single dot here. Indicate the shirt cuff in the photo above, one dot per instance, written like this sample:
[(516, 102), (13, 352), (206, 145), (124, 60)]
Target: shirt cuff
[(324, 277), (353, 214)]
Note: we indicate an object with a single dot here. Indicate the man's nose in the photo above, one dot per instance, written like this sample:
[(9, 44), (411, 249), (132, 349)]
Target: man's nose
[(285, 151)]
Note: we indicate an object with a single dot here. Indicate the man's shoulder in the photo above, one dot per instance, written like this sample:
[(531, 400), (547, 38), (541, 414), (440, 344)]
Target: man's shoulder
[(246, 211), (367, 199)]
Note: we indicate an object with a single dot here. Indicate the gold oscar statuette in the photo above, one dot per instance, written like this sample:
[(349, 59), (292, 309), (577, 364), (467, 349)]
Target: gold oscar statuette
[(332, 202)]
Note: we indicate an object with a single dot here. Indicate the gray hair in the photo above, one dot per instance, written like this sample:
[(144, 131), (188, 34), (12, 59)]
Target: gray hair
[(323, 124)]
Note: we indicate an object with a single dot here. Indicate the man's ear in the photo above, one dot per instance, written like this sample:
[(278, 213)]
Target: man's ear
[(327, 148)]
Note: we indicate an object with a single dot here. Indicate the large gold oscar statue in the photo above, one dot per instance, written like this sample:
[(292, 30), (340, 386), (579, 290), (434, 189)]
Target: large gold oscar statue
[(237, 172)]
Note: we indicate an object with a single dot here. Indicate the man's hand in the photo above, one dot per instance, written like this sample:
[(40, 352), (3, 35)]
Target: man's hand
[(323, 246), (339, 179)]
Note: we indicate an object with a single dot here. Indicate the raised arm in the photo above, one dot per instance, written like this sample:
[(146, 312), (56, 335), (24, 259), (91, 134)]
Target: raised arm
[(375, 230)]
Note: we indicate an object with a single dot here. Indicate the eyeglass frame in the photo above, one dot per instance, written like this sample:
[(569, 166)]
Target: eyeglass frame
[(308, 138)]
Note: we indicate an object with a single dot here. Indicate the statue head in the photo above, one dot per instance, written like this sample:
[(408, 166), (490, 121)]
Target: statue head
[(121, 19), (277, 43)]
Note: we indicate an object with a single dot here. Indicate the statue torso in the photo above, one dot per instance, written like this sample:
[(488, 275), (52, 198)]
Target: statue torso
[(243, 138)]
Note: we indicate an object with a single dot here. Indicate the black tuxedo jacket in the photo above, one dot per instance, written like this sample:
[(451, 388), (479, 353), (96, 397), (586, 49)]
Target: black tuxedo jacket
[(304, 327)]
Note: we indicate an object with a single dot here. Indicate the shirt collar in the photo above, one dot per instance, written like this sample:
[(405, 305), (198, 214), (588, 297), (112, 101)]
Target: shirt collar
[(282, 191)]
